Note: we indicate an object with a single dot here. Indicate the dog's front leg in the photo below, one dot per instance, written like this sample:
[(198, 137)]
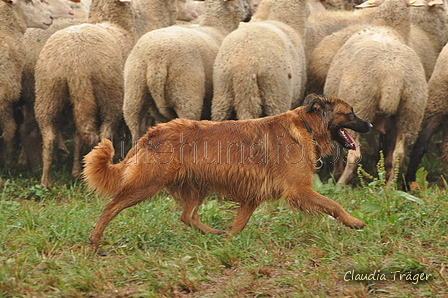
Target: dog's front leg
[(305, 198)]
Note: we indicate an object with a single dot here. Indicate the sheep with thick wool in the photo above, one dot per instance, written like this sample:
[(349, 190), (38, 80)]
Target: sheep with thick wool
[(426, 38), (260, 68), (262, 12), (59, 8), (34, 40), (435, 117), (264, 7), (153, 14), (187, 10), (428, 32), (384, 80), (168, 74), (15, 17), (324, 23), (81, 67), (319, 59)]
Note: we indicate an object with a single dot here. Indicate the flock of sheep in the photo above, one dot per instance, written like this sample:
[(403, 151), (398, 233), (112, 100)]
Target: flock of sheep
[(111, 66)]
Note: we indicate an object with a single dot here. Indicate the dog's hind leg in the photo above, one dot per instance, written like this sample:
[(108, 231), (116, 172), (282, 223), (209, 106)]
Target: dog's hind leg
[(242, 217), (191, 199), (307, 199), (119, 203)]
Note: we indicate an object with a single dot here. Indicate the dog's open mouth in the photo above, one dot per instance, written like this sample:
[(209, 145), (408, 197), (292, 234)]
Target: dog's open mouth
[(349, 141)]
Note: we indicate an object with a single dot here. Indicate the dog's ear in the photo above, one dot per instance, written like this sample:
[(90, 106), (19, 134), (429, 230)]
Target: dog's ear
[(316, 103)]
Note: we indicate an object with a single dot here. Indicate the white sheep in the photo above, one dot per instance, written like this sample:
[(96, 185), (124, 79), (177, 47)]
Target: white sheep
[(262, 12), (81, 67), (34, 40), (263, 8), (81, 8), (15, 17), (59, 8), (169, 71), (254, 5), (427, 37), (260, 68), (315, 6), (428, 32), (153, 14), (322, 24), (435, 117), (320, 58), (187, 10), (383, 80)]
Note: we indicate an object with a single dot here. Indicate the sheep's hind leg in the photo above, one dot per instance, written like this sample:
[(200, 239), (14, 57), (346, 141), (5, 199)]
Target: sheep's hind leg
[(445, 145), (353, 157), (48, 137), (421, 145), (76, 170), (8, 124), (394, 158)]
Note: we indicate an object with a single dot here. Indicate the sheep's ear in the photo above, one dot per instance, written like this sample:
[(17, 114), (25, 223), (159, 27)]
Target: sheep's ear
[(315, 103), (415, 3), (370, 3), (435, 2)]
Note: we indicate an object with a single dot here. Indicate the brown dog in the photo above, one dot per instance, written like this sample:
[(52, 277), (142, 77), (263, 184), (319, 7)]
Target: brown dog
[(247, 161)]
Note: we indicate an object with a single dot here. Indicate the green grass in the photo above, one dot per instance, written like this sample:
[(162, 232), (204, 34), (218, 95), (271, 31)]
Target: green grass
[(149, 252)]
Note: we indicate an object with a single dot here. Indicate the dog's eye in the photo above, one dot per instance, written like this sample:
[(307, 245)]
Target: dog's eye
[(350, 116)]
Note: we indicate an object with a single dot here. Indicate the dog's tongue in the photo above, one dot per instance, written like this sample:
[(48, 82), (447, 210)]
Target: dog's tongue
[(348, 138)]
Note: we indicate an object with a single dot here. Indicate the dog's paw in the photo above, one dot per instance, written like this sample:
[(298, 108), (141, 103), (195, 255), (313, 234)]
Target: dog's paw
[(218, 232), (357, 224)]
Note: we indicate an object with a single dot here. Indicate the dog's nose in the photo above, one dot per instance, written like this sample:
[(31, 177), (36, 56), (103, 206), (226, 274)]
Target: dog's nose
[(370, 125)]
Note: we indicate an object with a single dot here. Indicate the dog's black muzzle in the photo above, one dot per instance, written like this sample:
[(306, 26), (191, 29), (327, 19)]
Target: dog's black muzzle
[(360, 125)]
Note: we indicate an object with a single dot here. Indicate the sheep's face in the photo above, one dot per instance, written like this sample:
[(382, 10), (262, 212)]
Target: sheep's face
[(32, 12), (243, 7), (254, 5)]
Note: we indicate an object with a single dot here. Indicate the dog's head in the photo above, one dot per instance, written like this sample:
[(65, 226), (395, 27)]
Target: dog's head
[(339, 115)]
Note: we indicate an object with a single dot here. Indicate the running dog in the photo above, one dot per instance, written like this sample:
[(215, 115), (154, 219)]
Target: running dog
[(245, 161)]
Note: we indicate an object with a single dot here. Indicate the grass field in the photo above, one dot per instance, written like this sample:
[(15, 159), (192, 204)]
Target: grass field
[(148, 252)]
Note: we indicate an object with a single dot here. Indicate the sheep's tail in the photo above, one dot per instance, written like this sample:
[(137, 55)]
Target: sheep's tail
[(223, 101), (85, 108), (99, 173), (248, 102), (391, 94), (156, 76)]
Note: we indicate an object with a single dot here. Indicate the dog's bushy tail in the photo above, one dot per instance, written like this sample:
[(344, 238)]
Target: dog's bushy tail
[(99, 173)]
